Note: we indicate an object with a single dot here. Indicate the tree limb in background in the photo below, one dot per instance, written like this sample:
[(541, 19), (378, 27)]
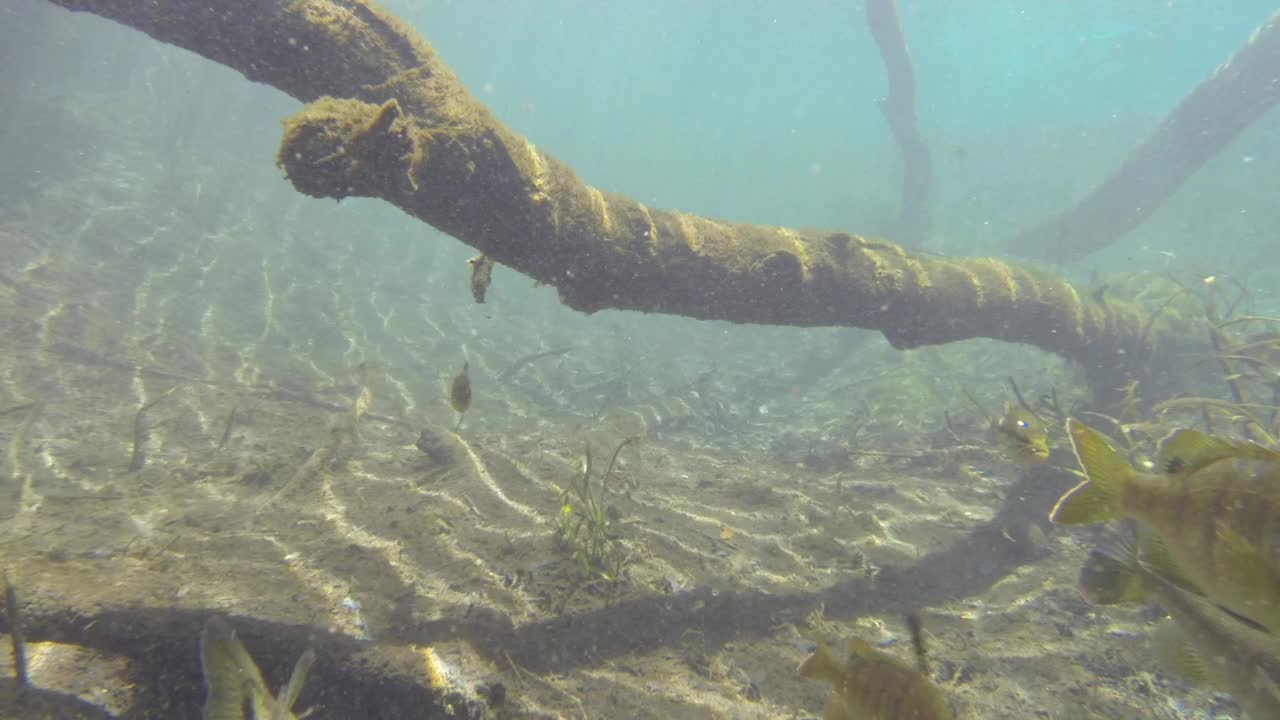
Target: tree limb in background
[(899, 109), (1203, 123), (388, 119)]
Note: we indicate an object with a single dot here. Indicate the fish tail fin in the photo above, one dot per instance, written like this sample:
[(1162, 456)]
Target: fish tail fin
[(228, 688), (822, 665), (1097, 499)]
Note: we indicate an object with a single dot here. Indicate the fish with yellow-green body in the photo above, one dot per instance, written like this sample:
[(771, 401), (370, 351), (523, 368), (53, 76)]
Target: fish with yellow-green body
[(1021, 435), (460, 393), (872, 685), (1204, 644), (236, 690), (1215, 505)]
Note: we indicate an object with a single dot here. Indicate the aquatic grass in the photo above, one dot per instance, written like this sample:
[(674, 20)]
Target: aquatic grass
[(585, 521)]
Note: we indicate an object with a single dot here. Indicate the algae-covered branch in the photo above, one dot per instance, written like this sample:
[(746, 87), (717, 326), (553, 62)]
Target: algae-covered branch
[(1201, 124), (388, 119)]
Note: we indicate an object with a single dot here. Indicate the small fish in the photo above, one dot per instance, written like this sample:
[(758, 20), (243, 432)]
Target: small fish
[(1205, 644), (481, 276), (1215, 504), (460, 392), (361, 406), (235, 685), (1020, 435), (872, 685)]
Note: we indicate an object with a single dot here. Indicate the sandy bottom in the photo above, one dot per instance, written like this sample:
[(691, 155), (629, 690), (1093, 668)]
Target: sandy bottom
[(765, 504)]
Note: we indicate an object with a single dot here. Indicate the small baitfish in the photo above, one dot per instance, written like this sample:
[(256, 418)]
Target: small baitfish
[(460, 391), (1020, 435), (236, 690), (872, 685), (1215, 505)]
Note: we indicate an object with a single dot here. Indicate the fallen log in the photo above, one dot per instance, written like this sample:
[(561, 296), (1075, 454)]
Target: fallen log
[(387, 118)]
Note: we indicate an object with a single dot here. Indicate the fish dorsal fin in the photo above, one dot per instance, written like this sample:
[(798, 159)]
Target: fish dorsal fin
[(289, 693), (862, 649), (1187, 450), (1177, 655)]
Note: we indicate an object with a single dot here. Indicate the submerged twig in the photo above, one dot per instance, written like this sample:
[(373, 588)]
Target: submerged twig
[(1021, 400), (138, 458), (1145, 337), (887, 453), (946, 417), (604, 482), (530, 358), (226, 431), (1247, 318), (1254, 428), (15, 633), (16, 408)]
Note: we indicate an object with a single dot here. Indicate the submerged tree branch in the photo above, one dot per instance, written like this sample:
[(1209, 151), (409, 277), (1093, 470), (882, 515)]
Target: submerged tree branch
[(388, 119), (899, 109), (1204, 122)]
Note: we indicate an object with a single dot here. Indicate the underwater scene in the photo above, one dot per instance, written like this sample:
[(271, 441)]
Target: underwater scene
[(868, 360)]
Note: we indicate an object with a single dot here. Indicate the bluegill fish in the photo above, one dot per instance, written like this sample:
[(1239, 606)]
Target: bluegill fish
[(1206, 644), (1215, 504), (872, 685), (236, 690), (1021, 435), (460, 391)]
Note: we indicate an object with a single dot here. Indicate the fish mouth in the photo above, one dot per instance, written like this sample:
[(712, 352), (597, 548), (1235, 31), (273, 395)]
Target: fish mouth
[(1035, 452)]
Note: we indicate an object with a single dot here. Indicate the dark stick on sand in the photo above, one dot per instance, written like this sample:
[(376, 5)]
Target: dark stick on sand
[(15, 633), (138, 458), (226, 431), (529, 359)]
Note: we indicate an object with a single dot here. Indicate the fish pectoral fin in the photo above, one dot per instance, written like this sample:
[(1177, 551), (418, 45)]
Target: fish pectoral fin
[(289, 694), (1179, 656), (1265, 681)]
